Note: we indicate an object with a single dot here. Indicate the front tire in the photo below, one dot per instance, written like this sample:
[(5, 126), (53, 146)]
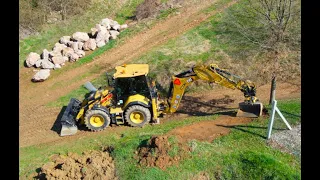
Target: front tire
[(96, 120), (137, 116)]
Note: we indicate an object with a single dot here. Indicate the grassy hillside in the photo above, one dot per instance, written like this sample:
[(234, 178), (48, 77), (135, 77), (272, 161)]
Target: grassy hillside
[(117, 10), (241, 154), (208, 43), (216, 42)]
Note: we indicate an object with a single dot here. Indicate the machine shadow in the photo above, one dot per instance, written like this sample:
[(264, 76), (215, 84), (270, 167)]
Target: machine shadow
[(241, 128), (56, 125), (192, 105)]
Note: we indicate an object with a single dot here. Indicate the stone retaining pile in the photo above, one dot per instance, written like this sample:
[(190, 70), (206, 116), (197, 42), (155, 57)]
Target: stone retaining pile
[(72, 48)]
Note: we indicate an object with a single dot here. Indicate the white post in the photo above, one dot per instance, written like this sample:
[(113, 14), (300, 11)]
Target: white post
[(273, 111), (283, 119)]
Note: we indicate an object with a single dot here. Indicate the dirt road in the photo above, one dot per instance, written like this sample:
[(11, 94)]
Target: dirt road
[(37, 122)]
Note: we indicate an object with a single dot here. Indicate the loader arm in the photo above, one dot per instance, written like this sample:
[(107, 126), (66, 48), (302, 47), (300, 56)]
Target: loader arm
[(212, 74)]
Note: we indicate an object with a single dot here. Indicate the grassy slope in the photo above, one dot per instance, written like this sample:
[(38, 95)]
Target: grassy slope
[(242, 154), (118, 10)]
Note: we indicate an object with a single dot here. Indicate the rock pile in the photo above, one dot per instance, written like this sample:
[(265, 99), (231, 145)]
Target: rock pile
[(72, 48)]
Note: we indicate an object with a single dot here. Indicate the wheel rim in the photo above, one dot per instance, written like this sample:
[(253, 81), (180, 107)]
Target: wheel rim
[(96, 120), (137, 117)]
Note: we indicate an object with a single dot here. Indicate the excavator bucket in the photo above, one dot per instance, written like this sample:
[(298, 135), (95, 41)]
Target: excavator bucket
[(250, 110), (68, 122)]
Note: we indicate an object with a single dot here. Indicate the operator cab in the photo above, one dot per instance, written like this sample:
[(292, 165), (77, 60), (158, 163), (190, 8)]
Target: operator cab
[(130, 80), (125, 87)]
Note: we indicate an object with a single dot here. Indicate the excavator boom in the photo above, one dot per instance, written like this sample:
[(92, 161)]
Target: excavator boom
[(213, 74)]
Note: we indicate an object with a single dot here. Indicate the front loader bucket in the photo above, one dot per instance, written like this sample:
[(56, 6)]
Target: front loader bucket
[(68, 122), (250, 110)]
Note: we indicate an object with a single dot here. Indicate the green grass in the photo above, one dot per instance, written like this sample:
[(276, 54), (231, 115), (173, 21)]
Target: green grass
[(243, 154), (51, 34), (165, 13)]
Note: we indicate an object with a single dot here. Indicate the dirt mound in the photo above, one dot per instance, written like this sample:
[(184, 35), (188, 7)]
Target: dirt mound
[(162, 151), (89, 165), (209, 130)]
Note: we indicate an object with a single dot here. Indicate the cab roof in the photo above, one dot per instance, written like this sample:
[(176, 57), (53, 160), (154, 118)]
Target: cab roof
[(131, 70)]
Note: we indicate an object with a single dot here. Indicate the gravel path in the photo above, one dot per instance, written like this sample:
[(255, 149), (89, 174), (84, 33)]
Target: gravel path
[(288, 141)]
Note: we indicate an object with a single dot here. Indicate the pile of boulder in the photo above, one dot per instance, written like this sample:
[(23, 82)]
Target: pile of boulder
[(72, 48)]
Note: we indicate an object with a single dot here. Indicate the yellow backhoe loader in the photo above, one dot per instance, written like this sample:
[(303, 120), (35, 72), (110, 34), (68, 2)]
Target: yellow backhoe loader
[(135, 101)]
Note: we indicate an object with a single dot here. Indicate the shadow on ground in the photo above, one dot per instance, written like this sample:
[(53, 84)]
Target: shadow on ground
[(194, 106), (244, 128)]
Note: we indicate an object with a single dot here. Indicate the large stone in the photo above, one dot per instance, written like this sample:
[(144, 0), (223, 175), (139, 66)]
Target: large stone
[(123, 26), (101, 43), (116, 27), (112, 23), (113, 34), (46, 64), (32, 58), (99, 27), (80, 53), (56, 66), (54, 54), (45, 54), (67, 51), (38, 63), (74, 57), (89, 45), (80, 45), (58, 47), (41, 75), (102, 35), (106, 23), (80, 36), (65, 39), (74, 45), (59, 59)]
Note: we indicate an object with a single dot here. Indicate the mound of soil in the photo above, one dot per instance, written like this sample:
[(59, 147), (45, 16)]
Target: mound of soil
[(161, 152), (89, 165)]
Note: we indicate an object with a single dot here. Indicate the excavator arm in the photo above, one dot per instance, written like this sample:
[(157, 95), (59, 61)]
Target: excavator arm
[(213, 74)]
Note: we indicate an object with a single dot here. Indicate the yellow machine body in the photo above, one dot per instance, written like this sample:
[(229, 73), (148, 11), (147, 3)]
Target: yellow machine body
[(135, 101)]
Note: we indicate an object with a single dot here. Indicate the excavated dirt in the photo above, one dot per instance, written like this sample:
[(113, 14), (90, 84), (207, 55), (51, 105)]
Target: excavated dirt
[(160, 152), (89, 165), (208, 130)]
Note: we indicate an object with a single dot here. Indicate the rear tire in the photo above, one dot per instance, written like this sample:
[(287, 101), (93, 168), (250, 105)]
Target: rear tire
[(96, 120), (137, 116)]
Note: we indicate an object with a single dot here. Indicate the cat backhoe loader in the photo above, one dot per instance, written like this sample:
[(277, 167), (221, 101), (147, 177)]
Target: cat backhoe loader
[(135, 101)]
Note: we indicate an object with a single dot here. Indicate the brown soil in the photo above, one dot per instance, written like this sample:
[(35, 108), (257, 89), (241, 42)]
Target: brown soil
[(89, 165), (157, 152), (201, 176), (208, 130)]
